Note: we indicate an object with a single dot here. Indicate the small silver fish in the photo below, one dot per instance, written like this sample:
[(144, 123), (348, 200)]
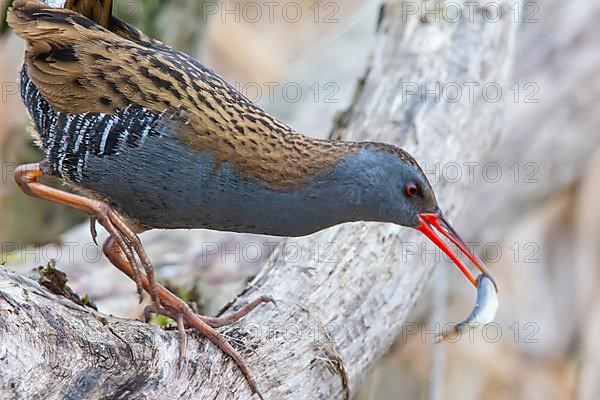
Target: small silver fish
[(484, 312)]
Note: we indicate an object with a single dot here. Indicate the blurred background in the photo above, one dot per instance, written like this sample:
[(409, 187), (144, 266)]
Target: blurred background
[(301, 60)]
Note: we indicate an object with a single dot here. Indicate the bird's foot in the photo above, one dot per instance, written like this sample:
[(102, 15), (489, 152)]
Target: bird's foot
[(185, 316), (214, 322), (232, 317), (177, 309)]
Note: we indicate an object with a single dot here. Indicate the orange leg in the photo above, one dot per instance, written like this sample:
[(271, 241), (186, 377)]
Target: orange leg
[(177, 309), (27, 177)]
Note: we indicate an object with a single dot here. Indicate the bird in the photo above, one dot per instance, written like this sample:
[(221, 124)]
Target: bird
[(146, 137)]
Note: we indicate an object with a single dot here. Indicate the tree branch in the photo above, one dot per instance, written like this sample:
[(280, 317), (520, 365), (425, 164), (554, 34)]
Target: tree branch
[(343, 293)]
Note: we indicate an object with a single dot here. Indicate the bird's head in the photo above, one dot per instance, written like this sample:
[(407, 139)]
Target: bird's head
[(398, 191)]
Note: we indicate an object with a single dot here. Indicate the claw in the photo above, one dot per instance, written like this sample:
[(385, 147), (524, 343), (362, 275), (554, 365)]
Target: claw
[(93, 229), (182, 342), (146, 317), (268, 299)]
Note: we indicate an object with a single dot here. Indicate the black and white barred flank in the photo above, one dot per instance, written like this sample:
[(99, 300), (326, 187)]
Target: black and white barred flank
[(68, 140)]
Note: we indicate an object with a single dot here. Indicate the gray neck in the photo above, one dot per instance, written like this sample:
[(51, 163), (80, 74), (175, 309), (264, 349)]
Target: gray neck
[(355, 190)]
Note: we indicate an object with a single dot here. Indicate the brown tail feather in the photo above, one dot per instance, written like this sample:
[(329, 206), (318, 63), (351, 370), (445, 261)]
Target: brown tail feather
[(78, 66), (66, 56), (98, 11)]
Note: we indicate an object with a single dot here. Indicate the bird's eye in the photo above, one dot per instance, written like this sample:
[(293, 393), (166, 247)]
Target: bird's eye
[(412, 190)]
